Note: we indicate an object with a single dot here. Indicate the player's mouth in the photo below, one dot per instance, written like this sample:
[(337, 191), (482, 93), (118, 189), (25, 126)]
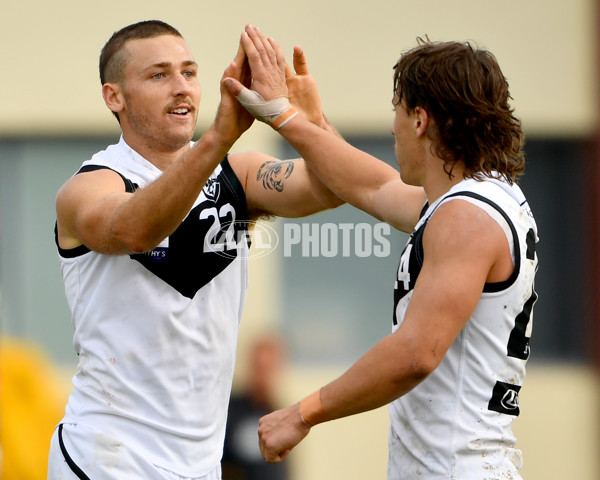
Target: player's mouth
[(180, 110)]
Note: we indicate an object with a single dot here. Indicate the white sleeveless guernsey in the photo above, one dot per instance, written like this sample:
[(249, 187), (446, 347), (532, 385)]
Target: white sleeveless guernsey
[(156, 332), (457, 423)]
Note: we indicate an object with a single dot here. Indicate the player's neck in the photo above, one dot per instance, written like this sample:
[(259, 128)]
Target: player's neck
[(160, 155), (438, 182)]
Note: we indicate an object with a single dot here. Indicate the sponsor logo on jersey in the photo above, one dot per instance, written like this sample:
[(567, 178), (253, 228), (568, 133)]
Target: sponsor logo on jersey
[(156, 255)]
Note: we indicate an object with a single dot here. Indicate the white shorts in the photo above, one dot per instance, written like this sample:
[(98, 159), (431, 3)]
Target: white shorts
[(109, 458)]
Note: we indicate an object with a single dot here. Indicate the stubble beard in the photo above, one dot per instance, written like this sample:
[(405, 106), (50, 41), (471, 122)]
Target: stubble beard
[(158, 137)]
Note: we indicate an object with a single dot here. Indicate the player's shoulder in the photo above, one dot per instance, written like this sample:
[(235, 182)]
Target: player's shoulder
[(460, 224), (90, 181), (459, 214)]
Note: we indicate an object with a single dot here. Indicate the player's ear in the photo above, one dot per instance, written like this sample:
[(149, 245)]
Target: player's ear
[(113, 97), (421, 121)]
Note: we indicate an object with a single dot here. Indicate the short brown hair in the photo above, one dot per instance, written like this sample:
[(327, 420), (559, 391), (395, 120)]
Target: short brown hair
[(112, 59), (463, 89)]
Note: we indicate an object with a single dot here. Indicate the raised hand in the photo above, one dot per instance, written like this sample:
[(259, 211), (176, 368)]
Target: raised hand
[(267, 101), (232, 119), (278, 93), (267, 64)]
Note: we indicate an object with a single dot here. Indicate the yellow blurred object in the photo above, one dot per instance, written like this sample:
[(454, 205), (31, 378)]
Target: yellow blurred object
[(32, 401)]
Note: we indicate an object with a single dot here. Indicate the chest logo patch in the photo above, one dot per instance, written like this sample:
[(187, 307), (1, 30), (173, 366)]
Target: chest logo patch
[(212, 189)]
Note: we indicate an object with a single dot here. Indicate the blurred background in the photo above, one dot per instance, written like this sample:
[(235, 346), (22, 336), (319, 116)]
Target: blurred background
[(327, 310)]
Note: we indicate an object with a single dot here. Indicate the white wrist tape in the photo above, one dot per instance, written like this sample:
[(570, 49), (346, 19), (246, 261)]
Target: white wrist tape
[(276, 112)]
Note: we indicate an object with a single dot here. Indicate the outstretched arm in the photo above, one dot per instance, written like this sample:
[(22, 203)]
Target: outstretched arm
[(353, 175), (463, 246)]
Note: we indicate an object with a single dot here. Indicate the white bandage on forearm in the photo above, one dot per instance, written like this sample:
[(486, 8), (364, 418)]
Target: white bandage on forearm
[(276, 112)]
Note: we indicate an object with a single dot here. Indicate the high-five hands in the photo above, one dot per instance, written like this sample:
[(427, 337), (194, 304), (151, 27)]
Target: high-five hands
[(278, 93), (268, 101)]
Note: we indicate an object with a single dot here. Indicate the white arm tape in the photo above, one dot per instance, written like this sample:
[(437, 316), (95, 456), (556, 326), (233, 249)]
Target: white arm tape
[(267, 111)]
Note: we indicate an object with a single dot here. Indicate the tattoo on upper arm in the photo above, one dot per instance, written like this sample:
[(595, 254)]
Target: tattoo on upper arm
[(274, 173)]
